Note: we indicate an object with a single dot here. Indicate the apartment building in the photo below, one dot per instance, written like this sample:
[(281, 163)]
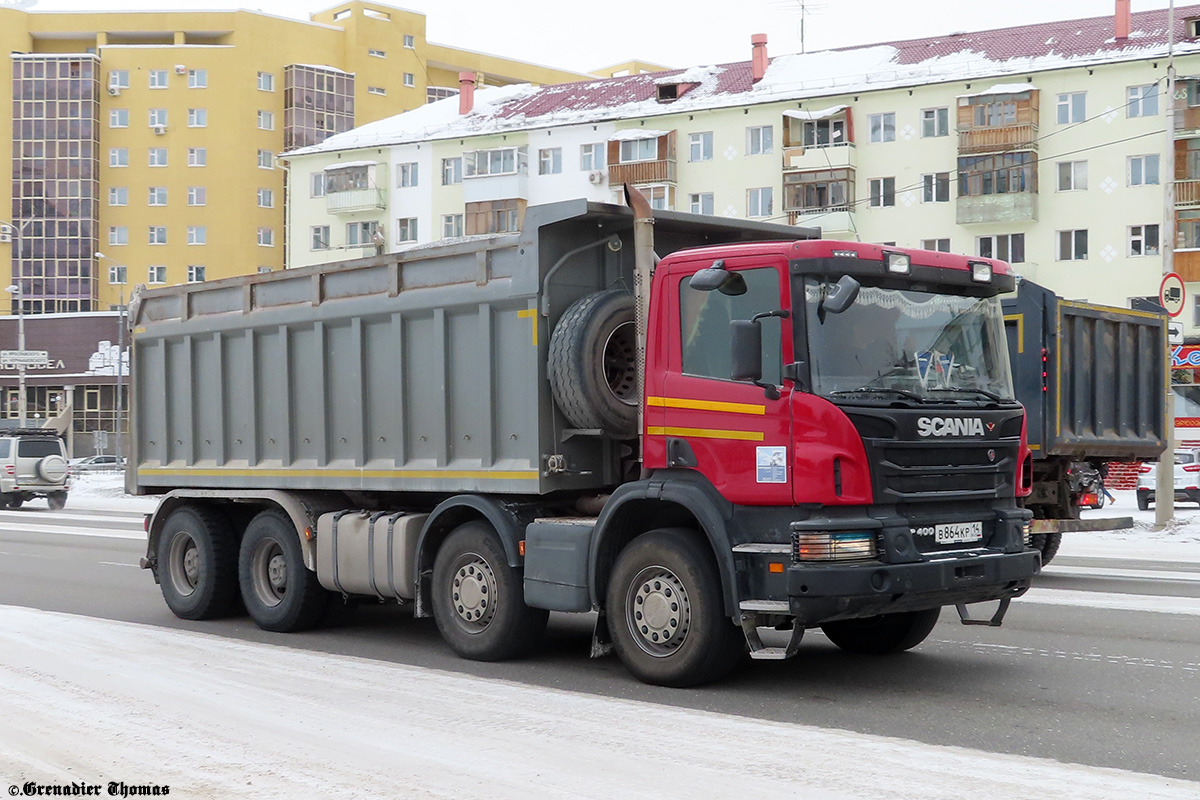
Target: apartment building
[(1043, 144)]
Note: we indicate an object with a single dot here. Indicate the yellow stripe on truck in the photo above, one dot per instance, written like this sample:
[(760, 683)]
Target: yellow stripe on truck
[(415, 474), (706, 433), (706, 405)]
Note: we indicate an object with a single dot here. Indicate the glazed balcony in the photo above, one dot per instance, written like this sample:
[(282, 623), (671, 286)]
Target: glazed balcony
[(353, 200), (1003, 139), (638, 172), (807, 159)]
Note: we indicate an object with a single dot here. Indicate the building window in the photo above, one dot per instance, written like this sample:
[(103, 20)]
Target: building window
[(266, 237), (316, 184), (319, 237), (118, 234), (263, 270), (266, 82), (883, 127), (591, 157), (158, 116), (158, 196), (119, 78), (195, 274), (883, 192), (660, 196), (197, 196), (701, 203), (824, 132), (158, 157), (197, 156), (116, 273), (118, 196), (158, 234), (1072, 108), (1143, 170), (760, 202), (1143, 240), (435, 93), (379, 90), (935, 188), (452, 171), (197, 234), (1072, 176), (550, 161), (361, 234), (118, 157), (495, 216), (197, 79), (995, 114), (938, 245), (410, 41), (501, 161), (1008, 247), (158, 79), (197, 117), (156, 273), (266, 198), (376, 53), (452, 225), (1073, 245), (406, 174), (118, 118), (1143, 100), (266, 121), (1000, 174), (266, 159), (406, 230), (760, 140), (410, 80), (935, 122), (634, 150), (831, 190), (700, 146)]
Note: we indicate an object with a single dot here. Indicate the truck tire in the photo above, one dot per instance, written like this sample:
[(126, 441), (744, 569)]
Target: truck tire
[(14, 500), (886, 633), (56, 500), (197, 564), (1047, 544), (593, 364), (1143, 499), (666, 612), (279, 592), (479, 600)]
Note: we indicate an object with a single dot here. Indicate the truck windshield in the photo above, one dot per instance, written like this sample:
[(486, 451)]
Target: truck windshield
[(906, 343)]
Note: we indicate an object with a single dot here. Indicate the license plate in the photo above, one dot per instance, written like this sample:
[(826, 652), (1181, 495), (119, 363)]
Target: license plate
[(950, 532)]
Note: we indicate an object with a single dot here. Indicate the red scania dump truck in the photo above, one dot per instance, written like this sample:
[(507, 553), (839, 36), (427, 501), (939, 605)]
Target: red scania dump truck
[(762, 430)]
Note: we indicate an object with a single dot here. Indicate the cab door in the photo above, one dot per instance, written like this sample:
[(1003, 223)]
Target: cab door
[(730, 431)]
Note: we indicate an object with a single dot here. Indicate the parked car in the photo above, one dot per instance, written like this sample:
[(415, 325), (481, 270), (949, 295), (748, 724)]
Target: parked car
[(92, 463), (1187, 479), (33, 463)]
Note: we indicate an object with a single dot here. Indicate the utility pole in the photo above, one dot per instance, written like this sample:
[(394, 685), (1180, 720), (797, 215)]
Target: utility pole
[(1164, 479), (120, 426)]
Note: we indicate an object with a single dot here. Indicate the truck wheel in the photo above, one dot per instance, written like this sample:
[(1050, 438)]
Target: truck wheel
[(280, 593), (886, 633), (666, 611), (197, 564), (1047, 544), (56, 500), (593, 364), (479, 600), (14, 500)]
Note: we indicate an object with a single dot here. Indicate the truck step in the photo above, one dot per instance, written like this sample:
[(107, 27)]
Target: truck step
[(770, 654)]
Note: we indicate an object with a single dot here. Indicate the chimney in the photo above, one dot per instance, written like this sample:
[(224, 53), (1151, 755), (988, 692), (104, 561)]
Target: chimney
[(466, 92), (1124, 20), (758, 55)]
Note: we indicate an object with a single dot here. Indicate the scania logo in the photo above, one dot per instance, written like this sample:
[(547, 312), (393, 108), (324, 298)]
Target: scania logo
[(950, 426)]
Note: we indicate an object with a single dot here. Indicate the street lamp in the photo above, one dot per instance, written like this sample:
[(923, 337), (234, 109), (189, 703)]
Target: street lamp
[(16, 291), (120, 403)]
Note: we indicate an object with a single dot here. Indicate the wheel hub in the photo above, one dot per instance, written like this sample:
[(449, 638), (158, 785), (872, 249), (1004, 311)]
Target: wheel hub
[(473, 590), (658, 611), (191, 564), (268, 568), (277, 572), (620, 363), (184, 567)]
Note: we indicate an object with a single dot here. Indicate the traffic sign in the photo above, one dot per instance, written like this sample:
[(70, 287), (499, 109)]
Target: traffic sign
[(1171, 294), (1174, 333), (28, 358)]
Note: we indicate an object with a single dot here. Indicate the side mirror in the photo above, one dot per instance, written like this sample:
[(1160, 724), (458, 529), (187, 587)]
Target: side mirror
[(841, 296), (718, 278), (746, 361)]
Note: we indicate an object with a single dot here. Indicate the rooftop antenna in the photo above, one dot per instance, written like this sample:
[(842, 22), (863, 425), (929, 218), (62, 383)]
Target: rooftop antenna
[(807, 7)]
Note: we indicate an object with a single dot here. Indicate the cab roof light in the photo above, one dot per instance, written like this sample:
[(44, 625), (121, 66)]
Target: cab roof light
[(981, 273), (899, 263)]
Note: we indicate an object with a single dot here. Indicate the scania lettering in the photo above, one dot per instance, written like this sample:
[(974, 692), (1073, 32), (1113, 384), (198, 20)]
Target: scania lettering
[(491, 429)]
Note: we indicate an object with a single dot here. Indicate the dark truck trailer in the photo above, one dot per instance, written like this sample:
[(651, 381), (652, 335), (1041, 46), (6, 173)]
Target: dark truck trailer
[(493, 428), (1092, 379)]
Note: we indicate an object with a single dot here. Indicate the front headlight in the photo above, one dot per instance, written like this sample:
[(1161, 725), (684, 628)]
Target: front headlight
[(833, 546)]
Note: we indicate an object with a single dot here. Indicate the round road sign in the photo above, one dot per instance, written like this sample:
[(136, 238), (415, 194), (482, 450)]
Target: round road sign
[(1171, 294)]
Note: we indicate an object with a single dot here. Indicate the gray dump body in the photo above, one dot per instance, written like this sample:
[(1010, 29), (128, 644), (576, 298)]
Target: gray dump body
[(1103, 394), (420, 371)]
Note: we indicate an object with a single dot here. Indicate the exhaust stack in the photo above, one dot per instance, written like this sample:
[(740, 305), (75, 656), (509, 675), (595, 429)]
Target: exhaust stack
[(643, 269)]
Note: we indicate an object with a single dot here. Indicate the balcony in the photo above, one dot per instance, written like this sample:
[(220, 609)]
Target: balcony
[(990, 140), (352, 200), (637, 172), (1187, 193), (1187, 264), (1005, 207), (837, 156), (834, 223)]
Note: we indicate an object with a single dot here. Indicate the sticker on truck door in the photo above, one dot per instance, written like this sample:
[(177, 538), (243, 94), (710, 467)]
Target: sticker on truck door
[(772, 464)]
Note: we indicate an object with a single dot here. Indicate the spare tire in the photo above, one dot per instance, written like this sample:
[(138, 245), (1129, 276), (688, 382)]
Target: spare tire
[(593, 364), (52, 469)]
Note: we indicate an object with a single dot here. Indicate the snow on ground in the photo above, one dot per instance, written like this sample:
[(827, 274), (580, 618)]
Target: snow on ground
[(93, 701), (105, 491)]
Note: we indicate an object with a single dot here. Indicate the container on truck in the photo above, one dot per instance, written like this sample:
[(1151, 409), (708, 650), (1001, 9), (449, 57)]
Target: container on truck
[(760, 432)]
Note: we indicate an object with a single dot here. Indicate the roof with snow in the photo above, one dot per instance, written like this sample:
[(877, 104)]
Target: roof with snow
[(960, 56)]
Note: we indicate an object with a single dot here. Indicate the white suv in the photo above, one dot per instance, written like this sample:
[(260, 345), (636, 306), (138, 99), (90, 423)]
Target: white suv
[(1187, 479), (33, 463)]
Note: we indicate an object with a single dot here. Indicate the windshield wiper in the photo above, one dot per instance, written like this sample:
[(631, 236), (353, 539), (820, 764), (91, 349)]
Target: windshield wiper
[(963, 389), (878, 390)]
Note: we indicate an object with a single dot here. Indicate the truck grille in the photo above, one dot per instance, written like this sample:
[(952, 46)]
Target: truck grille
[(910, 472)]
